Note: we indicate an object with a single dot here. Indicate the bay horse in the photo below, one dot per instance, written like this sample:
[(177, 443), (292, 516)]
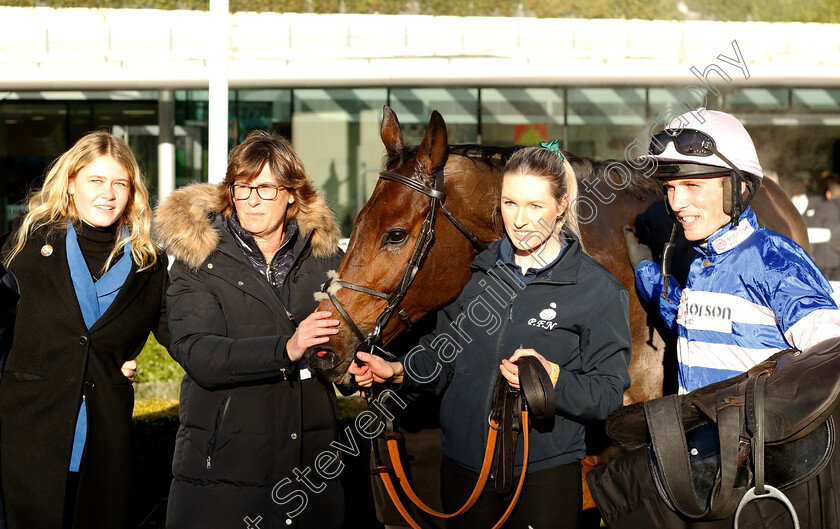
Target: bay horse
[(383, 272)]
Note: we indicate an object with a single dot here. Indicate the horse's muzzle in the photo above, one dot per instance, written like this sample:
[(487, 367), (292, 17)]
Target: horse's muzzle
[(322, 360)]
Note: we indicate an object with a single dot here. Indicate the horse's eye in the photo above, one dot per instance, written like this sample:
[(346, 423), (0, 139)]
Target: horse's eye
[(396, 236)]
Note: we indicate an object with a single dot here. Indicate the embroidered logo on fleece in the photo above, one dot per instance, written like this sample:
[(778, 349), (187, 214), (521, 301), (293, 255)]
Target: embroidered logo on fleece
[(546, 315)]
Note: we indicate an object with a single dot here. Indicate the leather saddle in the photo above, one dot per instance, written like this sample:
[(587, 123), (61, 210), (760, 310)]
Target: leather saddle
[(715, 449)]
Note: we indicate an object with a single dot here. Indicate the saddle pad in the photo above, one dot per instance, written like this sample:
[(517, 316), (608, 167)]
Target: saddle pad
[(786, 465)]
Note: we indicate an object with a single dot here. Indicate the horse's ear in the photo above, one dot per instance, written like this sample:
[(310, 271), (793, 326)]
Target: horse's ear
[(390, 132), (434, 149)]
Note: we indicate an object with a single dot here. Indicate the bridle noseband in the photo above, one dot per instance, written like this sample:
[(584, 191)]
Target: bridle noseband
[(421, 250)]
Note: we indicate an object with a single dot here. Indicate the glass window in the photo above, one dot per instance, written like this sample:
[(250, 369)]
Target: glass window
[(32, 135), (602, 122), (263, 109), (336, 134), (796, 149), (191, 106), (458, 106), (665, 104), (137, 123), (816, 99), (757, 99), (521, 116)]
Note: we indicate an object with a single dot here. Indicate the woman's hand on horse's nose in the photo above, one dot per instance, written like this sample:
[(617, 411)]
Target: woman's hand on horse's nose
[(315, 329)]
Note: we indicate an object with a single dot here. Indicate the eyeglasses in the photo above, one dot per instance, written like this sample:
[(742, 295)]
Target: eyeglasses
[(689, 142), (264, 191)]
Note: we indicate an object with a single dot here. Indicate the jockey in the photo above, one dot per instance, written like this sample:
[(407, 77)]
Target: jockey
[(750, 291)]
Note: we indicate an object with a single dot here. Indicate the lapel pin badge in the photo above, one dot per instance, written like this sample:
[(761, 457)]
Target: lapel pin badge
[(46, 250)]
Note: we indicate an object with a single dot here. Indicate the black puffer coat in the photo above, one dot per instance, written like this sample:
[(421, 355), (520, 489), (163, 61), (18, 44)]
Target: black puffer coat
[(251, 430)]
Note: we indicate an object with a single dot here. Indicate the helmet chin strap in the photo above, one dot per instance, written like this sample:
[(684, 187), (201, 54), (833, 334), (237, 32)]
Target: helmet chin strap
[(734, 202), (733, 205), (667, 253)]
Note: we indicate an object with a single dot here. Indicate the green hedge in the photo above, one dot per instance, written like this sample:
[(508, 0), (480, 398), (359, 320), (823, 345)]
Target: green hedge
[(154, 364), (825, 11)]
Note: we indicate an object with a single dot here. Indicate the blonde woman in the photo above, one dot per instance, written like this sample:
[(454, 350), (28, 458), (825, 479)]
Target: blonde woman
[(533, 293), (92, 287)]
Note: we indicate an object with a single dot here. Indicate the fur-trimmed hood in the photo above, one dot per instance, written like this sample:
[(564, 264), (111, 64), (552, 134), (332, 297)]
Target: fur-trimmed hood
[(183, 224)]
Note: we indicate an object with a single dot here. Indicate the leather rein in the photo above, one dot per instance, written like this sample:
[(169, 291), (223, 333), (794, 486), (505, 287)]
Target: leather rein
[(509, 415), (415, 262)]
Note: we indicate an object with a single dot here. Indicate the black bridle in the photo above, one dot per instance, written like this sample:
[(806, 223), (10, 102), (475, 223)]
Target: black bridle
[(418, 256)]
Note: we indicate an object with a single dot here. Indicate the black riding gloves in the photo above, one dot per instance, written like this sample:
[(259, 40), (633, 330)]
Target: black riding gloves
[(637, 251)]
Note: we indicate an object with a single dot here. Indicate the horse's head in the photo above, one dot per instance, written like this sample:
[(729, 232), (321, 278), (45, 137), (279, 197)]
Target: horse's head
[(392, 241)]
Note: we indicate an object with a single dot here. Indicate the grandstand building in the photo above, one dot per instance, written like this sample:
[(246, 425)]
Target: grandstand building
[(600, 86)]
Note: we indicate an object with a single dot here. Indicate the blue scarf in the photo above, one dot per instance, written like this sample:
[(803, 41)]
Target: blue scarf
[(94, 299)]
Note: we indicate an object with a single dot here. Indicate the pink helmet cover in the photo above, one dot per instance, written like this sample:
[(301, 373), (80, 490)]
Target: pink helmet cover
[(731, 139)]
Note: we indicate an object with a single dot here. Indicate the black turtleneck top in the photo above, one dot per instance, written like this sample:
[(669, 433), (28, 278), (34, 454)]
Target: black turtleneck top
[(96, 245)]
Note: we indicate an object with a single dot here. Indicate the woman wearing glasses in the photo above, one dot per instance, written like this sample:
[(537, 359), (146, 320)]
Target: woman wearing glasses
[(253, 449)]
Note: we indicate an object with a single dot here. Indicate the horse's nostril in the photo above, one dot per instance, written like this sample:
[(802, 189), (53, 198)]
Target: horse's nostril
[(321, 354)]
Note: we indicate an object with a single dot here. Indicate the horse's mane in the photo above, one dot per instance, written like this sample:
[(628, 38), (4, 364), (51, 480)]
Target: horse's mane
[(489, 153), (594, 170), (585, 168)]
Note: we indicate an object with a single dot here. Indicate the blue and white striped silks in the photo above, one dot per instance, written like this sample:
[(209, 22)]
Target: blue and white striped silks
[(750, 292)]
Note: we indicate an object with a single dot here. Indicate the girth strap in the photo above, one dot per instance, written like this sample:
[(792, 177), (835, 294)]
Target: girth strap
[(756, 386), (668, 442), (664, 420), (755, 424), (729, 435)]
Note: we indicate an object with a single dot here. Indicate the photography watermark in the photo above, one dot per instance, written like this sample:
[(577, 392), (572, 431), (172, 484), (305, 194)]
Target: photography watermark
[(252, 523), (690, 100), (484, 313), (328, 465), (487, 311)]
